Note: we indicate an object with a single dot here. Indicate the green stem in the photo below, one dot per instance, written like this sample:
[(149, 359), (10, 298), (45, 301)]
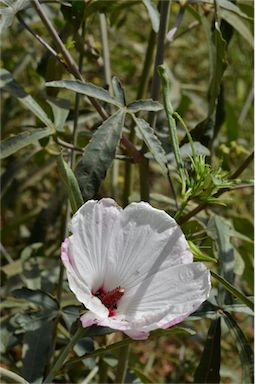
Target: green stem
[(155, 88), (175, 114), (122, 364), (108, 81), (128, 180), (11, 377), (63, 355)]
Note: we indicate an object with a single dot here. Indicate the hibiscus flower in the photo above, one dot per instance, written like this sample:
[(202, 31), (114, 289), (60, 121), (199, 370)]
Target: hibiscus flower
[(132, 268)]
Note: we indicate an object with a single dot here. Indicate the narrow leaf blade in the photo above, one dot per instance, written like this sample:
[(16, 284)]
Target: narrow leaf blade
[(153, 13), (21, 140), (85, 88), (233, 290), (145, 105), (152, 142), (238, 24), (245, 350), (10, 85), (208, 370), (71, 184)]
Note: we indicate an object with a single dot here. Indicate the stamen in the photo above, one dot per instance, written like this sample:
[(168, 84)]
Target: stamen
[(110, 299)]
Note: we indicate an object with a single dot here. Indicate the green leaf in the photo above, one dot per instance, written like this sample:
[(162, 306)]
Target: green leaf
[(227, 5), (141, 375), (10, 85), (60, 109), (36, 350), (37, 297), (127, 341), (233, 290), (208, 370), (238, 24), (244, 349), (144, 105), (85, 88), (241, 308), (153, 13), (118, 90), (186, 150), (199, 255), (219, 230), (164, 77), (71, 184), (152, 142), (14, 143), (99, 154), (218, 65)]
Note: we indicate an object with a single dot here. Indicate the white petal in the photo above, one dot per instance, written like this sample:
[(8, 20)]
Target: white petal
[(149, 239), (137, 335), (166, 295), (91, 243), (88, 319), (77, 283)]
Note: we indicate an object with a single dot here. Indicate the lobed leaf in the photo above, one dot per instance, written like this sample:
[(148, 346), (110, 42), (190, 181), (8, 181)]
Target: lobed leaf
[(99, 154), (85, 88)]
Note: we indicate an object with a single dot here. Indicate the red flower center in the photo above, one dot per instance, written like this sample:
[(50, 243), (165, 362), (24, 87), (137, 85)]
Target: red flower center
[(110, 298)]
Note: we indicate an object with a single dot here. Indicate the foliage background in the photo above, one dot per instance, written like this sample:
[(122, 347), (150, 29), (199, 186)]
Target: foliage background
[(34, 198)]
